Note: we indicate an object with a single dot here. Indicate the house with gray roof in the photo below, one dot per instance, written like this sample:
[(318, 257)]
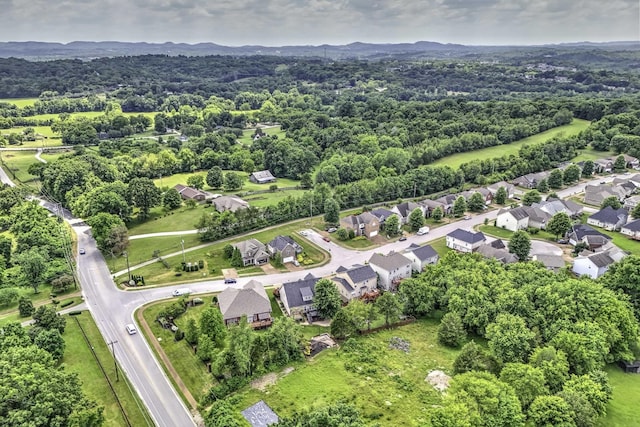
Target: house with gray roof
[(391, 269), (554, 206), (432, 205), (403, 210), (596, 264), (250, 300), (356, 281), (550, 262), (583, 233), (631, 229), (262, 177), (509, 188), (382, 214), (609, 218), (465, 241), (229, 203), (286, 247), (521, 218), (190, 193), (530, 180), (365, 224), (421, 256), (503, 255), (631, 202), (252, 251), (596, 194), (297, 297)]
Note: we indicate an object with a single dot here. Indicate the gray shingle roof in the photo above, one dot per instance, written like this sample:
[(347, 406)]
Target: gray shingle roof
[(280, 242), (633, 225), (467, 236), (424, 253), (361, 273), (609, 215), (264, 175), (390, 262), (382, 214), (601, 259), (344, 283), (293, 290), (518, 213), (582, 230), (250, 299)]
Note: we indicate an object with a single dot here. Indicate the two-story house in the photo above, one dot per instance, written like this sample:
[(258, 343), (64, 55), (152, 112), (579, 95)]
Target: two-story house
[(465, 241), (391, 268)]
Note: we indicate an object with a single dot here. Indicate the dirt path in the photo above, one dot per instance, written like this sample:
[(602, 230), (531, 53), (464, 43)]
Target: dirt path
[(166, 362)]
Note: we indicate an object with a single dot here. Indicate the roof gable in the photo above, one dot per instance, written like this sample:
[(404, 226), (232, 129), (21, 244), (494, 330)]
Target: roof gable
[(467, 236)]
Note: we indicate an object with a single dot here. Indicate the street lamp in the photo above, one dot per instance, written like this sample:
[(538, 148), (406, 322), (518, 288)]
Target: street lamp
[(115, 362)]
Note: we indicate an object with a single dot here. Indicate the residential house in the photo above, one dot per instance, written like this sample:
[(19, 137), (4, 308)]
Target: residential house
[(631, 162), (465, 241), (522, 217), (391, 268), (487, 196), (510, 188), (382, 214), (250, 300), (365, 224), (432, 205), (229, 203), (631, 202), (609, 218), (447, 202), (603, 165), (554, 206), (262, 177), (190, 193), (252, 252), (501, 254), (286, 247), (632, 229), (531, 180), (297, 297), (420, 256), (403, 210), (596, 264), (356, 281), (551, 262), (596, 194), (582, 233)]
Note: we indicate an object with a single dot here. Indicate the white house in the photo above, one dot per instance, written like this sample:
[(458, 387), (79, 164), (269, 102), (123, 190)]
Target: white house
[(421, 256), (512, 219), (391, 269), (596, 264), (609, 218), (464, 241), (632, 229)]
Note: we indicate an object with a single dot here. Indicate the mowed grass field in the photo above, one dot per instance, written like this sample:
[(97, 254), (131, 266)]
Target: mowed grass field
[(16, 164), (623, 410), (78, 358), (455, 160), (247, 134), (181, 178), (20, 102)]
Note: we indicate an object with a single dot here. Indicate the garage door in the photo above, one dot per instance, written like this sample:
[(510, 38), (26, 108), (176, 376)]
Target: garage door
[(373, 234), (287, 259)]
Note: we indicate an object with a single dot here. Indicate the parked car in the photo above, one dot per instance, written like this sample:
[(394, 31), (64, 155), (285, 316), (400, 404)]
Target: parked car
[(81, 251), (326, 239), (131, 329), (230, 280), (332, 230)]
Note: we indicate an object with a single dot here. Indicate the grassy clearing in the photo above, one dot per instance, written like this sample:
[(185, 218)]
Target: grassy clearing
[(177, 220), (44, 131), (79, 359), (20, 102), (388, 388), (622, 411), (575, 127), (141, 250), (268, 199), (591, 154), (17, 163), (156, 273), (181, 178), (247, 134)]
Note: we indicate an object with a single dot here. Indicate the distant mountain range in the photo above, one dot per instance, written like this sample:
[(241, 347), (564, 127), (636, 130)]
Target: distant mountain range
[(88, 50)]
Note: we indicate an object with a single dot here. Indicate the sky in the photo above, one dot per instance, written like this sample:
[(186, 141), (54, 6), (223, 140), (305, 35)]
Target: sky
[(315, 22)]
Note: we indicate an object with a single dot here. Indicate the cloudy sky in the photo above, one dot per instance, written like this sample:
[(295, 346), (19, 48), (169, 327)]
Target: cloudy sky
[(281, 22)]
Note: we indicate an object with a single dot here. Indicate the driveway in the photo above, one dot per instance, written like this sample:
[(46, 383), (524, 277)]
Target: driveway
[(544, 248)]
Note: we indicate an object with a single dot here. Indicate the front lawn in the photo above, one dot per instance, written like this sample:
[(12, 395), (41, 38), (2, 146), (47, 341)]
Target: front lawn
[(440, 246)]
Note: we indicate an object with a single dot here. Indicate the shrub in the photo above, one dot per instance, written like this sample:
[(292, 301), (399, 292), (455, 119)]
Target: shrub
[(66, 304), (179, 335)]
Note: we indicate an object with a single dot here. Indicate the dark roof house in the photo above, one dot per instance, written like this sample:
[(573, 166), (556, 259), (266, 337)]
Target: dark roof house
[(609, 218)]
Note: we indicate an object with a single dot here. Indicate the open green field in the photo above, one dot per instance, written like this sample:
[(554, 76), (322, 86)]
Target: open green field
[(181, 178), (386, 385), (247, 134), (455, 160), (17, 163), (10, 313), (622, 411), (44, 131), (20, 102), (78, 358), (591, 154), (141, 250), (159, 220), (156, 273)]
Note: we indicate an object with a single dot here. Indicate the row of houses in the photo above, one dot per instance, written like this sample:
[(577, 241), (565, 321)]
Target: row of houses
[(621, 188), (537, 215)]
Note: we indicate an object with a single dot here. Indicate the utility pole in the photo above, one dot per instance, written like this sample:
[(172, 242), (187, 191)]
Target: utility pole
[(126, 255), (183, 257), (414, 189), (113, 352)]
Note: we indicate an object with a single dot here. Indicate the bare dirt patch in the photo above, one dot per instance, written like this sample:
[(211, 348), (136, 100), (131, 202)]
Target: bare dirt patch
[(270, 379)]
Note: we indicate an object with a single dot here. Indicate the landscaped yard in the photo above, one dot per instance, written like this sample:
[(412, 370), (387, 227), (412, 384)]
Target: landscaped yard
[(455, 160), (78, 358)]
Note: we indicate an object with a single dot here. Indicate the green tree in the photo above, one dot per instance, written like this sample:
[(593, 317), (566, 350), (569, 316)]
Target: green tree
[(336, 415), (551, 411), (476, 202), (331, 211), (227, 251), (620, 165), (362, 314), (285, 340), (437, 214), (196, 181), (571, 174), (392, 226), (232, 181), (306, 181), (327, 298), (221, 414), (101, 226), (554, 366), (343, 325), (389, 306), (520, 245), (635, 212), (459, 206), (624, 276), (236, 258), (8, 296), (531, 197), (501, 196), (451, 331), (117, 240), (510, 340), (527, 381), (171, 199), (241, 338), (585, 345), (25, 307), (45, 317), (555, 179), (214, 177), (51, 341), (591, 390), (543, 186), (417, 296), (611, 201), (416, 219), (144, 194), (559, 224), (33, 264), (587, 168), (191, 332), (343, 234), (212, 325)]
